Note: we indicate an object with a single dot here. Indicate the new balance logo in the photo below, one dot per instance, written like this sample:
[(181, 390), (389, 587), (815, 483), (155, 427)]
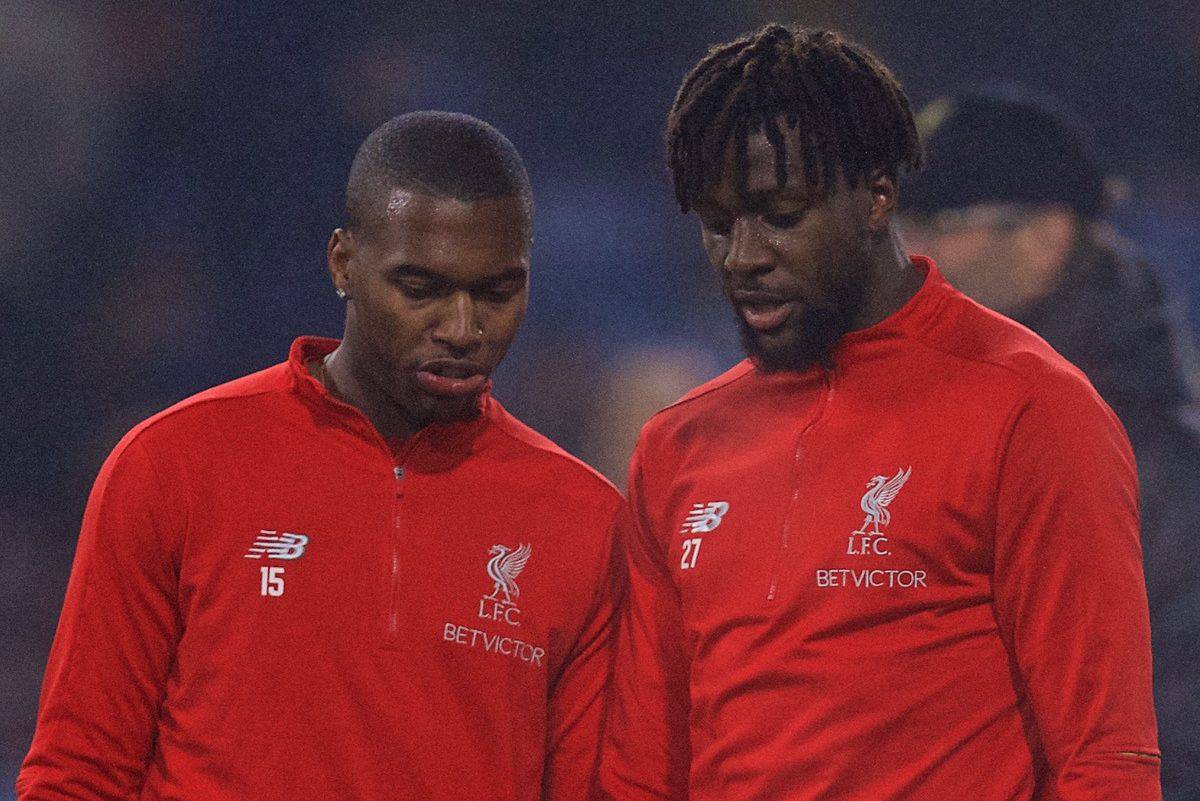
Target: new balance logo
[(704, 517), (273, 545)]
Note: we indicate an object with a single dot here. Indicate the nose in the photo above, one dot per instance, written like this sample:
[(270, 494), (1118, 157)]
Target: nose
[(459, 328), (748, 252)]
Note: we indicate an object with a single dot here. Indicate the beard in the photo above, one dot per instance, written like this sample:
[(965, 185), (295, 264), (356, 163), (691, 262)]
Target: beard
[(452, 410), (811, 332), (422, 408)]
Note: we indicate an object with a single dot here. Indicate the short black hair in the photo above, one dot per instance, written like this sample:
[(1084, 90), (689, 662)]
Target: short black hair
[(438, 153), (850, 112)]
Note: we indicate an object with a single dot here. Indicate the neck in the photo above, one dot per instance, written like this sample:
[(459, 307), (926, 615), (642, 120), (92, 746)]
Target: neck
[(892, 282), (350, 381)]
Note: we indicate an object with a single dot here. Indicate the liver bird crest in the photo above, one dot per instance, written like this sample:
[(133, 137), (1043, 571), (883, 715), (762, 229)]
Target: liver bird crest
[(881, 491), (504, 567)]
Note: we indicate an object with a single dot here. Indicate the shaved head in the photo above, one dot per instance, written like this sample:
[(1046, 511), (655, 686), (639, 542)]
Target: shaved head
[(434, 153)]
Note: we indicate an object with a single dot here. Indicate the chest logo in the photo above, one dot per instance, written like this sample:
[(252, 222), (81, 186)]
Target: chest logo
[(704, 517), (270, 544), (503, 568), (881, 491)]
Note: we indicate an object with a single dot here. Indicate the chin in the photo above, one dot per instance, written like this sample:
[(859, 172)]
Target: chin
[(808, 337), (793, 354), (452, 410), (796, 348), (422, 408)]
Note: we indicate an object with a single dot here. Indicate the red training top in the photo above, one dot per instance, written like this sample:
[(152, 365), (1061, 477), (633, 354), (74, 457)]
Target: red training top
[(916, 576), (266, 603)]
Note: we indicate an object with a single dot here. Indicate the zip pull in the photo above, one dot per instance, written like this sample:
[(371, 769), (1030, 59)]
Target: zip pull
[(398, 473), (393, 611)]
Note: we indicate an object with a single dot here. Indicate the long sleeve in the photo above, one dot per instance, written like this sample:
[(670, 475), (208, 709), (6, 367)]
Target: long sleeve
[(646, 753), (577, 699), (1070, 595), (114, 645)]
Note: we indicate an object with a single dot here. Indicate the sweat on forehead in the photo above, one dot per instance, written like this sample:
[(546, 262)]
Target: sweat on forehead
[(435, 153)]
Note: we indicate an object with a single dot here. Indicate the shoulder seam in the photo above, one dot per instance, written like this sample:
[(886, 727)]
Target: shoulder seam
[(190, 403), (688, 398), (1026, 383), (561, 455)]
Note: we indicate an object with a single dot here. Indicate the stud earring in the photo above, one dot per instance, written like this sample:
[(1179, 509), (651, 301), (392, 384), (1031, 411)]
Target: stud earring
[(341, 293)]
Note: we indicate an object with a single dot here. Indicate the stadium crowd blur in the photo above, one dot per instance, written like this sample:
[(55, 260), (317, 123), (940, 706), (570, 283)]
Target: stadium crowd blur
[(172, 175)]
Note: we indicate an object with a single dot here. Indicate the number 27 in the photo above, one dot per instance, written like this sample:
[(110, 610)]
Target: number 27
[(691, 549)]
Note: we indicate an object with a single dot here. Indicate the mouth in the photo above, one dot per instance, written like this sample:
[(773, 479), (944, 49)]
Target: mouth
[(452, 378), (762, 311)]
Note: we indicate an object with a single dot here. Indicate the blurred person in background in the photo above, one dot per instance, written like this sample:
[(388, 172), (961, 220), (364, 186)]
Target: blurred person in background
[(637, 383), (1010, 206), (352, 575), (973, 624)]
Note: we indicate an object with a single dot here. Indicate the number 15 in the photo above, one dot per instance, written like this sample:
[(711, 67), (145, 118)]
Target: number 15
[(272, 581)]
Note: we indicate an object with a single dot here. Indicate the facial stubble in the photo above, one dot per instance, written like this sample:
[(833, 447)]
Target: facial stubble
[(819, 327)]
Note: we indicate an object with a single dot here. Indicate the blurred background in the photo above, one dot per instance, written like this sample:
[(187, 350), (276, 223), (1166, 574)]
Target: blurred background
[(172, 172)]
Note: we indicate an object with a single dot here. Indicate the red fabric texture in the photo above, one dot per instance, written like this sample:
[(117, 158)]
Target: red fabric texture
[(985, 637), (392, 665)]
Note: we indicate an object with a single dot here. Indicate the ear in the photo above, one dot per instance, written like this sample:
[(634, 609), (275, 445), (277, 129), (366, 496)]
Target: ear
[(884, 194), (338, 255)]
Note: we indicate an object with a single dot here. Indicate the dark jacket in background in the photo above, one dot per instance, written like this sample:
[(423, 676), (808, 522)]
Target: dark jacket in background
[(1109, 317)]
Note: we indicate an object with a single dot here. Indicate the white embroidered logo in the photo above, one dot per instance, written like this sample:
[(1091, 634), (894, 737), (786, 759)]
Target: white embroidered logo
[(870, 543), (881, 491), (271, 545), (503, 568), (704, 517)]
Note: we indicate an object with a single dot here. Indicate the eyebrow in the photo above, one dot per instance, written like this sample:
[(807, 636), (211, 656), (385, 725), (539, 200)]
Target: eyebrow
[(414, 271)]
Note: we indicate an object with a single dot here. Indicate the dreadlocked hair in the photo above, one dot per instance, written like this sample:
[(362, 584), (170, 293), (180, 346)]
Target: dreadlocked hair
[(850, 113)]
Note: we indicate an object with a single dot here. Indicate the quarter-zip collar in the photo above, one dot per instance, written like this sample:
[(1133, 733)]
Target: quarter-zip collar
[(910, 320), (435, 448)]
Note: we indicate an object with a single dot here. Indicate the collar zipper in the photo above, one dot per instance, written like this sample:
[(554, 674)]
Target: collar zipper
[(786, 537), (393, 611)]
